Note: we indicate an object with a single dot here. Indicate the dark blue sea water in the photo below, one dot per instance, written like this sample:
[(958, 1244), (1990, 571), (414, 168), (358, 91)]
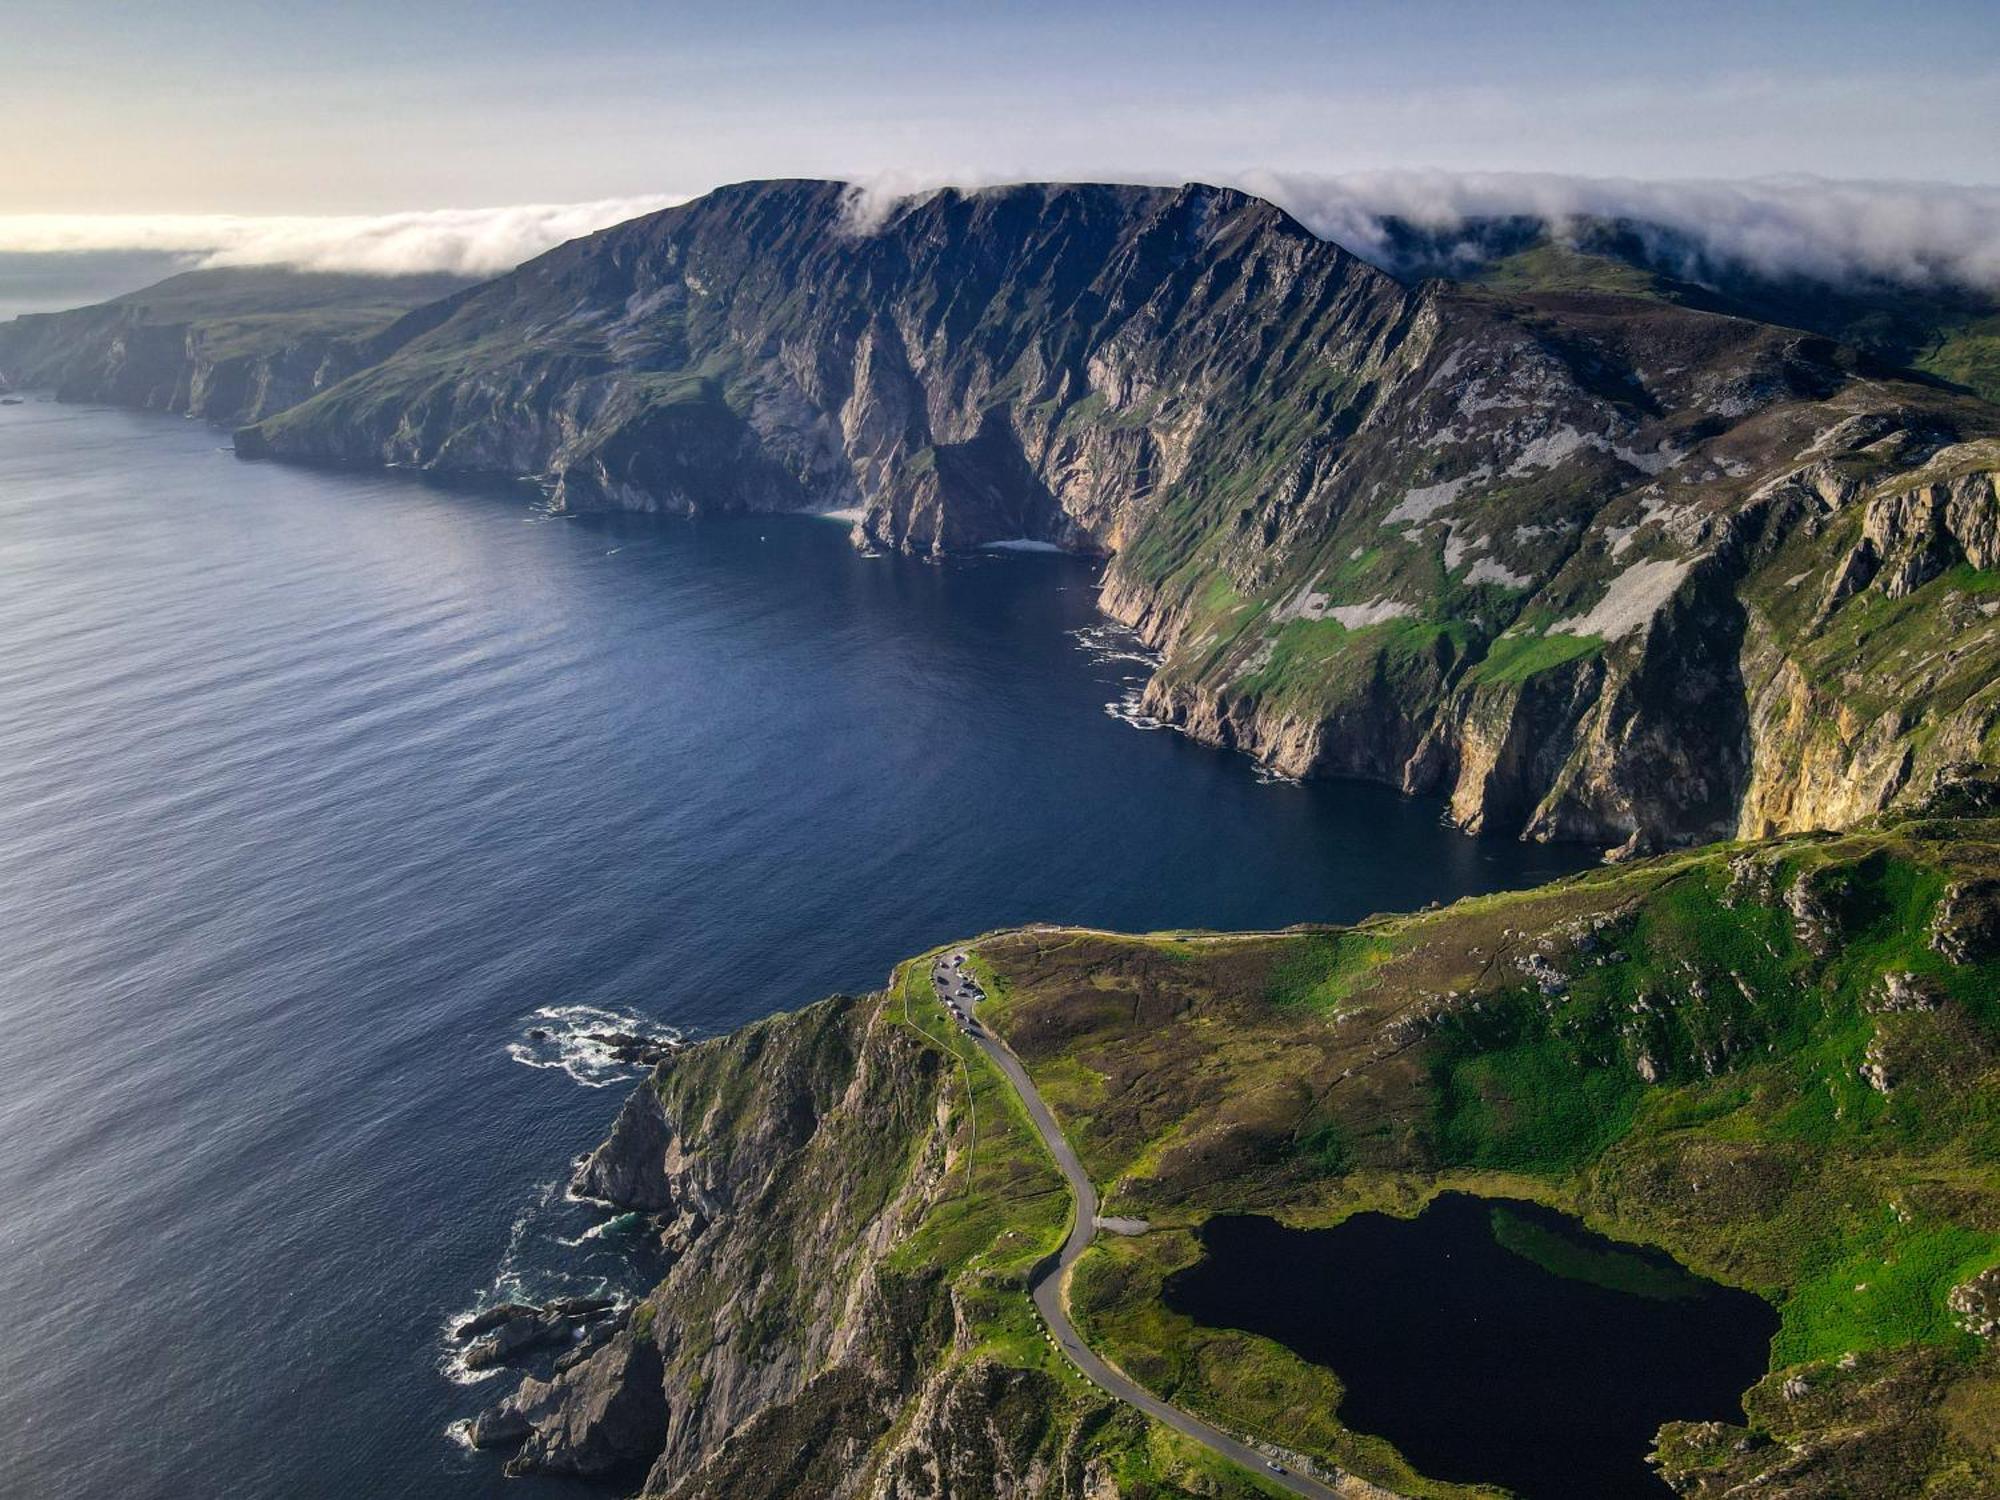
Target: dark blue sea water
[(319, 791)]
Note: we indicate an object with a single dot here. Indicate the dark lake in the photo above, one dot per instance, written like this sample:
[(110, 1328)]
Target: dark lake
[(321, 793), (1491, 1341)]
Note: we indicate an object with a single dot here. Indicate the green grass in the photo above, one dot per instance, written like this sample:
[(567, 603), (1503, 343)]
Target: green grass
[(1609, 1267), (1969, 355), (1882, 1284), (1531, 1107), (1553, 267), (1317, 1074), (1513, 659), (1317, 973)]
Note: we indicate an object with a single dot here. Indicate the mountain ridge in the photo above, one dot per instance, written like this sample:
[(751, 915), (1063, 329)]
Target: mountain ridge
[(1511, 544)]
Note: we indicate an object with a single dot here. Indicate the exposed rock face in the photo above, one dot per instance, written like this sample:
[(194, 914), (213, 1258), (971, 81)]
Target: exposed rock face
[(1594, 567), (1976, 1305), (1533, 553), (602, 1416), (630, 1168), (1966, 928), (785, 1354), (777, 1296), (504, 1333), (1862, 1426)]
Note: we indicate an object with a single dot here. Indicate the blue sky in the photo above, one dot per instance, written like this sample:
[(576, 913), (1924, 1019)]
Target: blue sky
[(367, 106)]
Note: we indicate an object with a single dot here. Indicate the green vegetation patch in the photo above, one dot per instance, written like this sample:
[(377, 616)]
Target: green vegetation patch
[(1319, 972), (1600, 1265), (1515, 658), (1676, 1051)]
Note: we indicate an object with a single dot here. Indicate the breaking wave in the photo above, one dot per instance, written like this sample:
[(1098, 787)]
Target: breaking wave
[(589, 1043), (557, 1246), (1126, 709), (1114, 643)]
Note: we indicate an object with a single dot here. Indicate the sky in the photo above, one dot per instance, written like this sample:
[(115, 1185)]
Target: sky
[(447, 134), (369, 106)]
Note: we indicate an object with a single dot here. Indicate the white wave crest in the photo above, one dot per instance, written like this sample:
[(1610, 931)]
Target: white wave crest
[(571, 1039)]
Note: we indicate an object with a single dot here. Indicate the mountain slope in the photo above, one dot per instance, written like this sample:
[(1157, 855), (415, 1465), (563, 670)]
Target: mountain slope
[(1591, 563), (230, 345), (1532, 549), (1946, 330)]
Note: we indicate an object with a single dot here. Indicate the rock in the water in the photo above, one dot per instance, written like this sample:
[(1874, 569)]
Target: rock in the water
[(492, 1318), (518, 1336), (581, 1307), (631, 1047), (498, 1426)]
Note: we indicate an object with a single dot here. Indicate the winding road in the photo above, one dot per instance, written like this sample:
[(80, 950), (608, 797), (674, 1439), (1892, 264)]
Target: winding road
[(1049, 1289)]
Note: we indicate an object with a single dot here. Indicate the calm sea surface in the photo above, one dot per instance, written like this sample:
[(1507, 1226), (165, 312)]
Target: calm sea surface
[(320, 792)]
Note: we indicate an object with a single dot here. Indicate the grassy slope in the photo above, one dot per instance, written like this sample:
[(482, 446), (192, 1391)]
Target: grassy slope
[(1003, 1209), (1314, 1074), (1952, 333), (251, 309)]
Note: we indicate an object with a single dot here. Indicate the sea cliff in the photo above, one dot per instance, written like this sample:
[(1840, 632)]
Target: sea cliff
[(1591, 564)]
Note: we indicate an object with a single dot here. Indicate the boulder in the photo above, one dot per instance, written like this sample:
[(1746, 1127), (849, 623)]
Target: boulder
[(518, 1336), (498, 1426), (1975, 1304), (492, 1318)]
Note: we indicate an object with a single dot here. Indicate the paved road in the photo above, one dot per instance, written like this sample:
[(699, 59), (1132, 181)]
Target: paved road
[(1049, 1290)]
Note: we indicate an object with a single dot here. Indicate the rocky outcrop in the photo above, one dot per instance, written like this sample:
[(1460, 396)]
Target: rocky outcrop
[(795, 1347), (1890, 682), (631, 1167), (783, 1154), (602, 1416), (502, 1334), (1975, 1305)]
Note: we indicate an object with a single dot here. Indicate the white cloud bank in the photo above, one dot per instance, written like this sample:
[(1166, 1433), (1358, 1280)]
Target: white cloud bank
[(468, 241), (1915, 232), (1908, 231)]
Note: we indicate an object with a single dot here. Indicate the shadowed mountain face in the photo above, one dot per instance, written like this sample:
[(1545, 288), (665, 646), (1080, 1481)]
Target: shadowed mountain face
[(231, 345), (1951, 332), (1595, 564)]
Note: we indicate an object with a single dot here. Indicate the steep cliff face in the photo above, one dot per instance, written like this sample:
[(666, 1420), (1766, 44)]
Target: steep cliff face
[(230, 346), (1531, 547), (1543, 593), (1044, 362), (1497, 546), (823, 1329), (1874, 658)]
